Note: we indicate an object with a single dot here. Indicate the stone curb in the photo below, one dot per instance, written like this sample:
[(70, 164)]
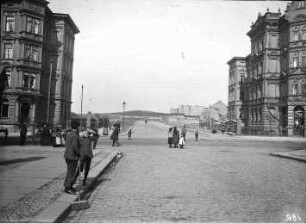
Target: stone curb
[(62, 206), (289, 156)]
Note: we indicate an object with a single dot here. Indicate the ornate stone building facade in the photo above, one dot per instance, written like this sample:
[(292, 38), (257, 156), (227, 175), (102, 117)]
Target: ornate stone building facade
[(271, 98), (237, 73), (37, 48)]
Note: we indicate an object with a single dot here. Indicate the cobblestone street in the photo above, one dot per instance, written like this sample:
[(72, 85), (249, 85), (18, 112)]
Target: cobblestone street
[(211, 180)]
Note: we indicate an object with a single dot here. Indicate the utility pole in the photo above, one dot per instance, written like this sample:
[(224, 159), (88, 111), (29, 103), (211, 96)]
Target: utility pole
[(123, 107)]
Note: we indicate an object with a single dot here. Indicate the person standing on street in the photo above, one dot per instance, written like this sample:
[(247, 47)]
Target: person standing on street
[(176, 136), (72, 154), (115, 134), (95, 138), (170, 137), (182, 141), (86, 139), (130, 134), (45, 139), (184, 132), (23, 133), (196, 134)]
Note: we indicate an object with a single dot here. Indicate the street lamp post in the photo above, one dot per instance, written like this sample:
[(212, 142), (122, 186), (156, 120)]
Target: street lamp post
[(49, 92), (82, 102), (123, 107), (81, 106)]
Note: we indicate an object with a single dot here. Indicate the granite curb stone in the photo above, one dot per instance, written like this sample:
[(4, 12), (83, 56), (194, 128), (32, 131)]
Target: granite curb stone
[(299, 155), (62, 206)]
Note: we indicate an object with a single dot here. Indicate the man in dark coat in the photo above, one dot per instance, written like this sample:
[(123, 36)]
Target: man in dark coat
[(45, 139), (85, 138), (72, 154), (196, 134), (115, 134), (94, 136), (23, 133)]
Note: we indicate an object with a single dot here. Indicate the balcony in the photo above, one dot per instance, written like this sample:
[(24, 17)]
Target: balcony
[(32, 36), (29, 63), (26, 91)]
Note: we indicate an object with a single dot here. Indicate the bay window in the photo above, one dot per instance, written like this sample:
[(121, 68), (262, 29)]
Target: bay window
[(29, 81), (31, 52), (33, 25), (10, 23), (8, 51)]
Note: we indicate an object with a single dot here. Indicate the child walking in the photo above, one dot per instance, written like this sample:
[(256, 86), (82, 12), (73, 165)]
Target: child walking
[(182, 141)]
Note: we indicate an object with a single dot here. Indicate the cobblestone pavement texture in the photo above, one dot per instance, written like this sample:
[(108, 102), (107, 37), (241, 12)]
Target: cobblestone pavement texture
[(213, 180), (28, 185)]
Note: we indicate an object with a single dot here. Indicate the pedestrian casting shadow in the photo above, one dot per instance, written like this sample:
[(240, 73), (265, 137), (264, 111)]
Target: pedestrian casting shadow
[(96, 184), (20, 160)]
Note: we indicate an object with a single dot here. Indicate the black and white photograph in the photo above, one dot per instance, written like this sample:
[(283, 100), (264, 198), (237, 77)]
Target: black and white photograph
[(152, 111)]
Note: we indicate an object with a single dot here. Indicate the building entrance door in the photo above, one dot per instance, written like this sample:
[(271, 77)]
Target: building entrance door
[(25, 112), (299, 122)]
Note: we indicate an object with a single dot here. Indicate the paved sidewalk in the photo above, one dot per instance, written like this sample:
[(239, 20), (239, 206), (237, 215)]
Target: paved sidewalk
[(299, 155), (31, 168)]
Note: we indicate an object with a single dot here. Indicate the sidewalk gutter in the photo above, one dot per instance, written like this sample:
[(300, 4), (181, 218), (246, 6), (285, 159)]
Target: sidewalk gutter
[(299, 155), (62, 206)]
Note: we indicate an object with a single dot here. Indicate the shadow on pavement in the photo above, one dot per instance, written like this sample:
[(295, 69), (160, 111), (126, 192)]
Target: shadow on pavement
[(21, 160)]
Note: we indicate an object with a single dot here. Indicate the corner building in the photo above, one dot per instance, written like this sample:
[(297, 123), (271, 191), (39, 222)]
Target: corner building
[(37, 48), (271, 97)]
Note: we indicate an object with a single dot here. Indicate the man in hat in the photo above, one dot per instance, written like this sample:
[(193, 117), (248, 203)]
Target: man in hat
[(72, 155)]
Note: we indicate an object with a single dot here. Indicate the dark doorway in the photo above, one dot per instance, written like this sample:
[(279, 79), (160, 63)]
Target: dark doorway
[(299, 122), (25, 112)]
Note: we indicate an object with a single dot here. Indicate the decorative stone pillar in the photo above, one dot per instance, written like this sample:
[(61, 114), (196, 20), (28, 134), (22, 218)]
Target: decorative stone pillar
[(290, 120)]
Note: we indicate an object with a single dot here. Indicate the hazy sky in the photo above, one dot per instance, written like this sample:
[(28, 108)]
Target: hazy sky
[(156, 54)]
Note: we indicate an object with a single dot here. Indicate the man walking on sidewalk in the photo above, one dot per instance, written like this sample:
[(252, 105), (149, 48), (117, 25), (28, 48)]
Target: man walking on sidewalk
[(72, 154)]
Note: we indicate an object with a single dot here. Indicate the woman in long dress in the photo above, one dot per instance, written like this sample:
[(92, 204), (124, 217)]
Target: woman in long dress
[(176, 136), (170, 137)]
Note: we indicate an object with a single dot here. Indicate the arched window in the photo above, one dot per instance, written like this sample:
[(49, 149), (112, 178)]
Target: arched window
[(295, 61), (294, 88)]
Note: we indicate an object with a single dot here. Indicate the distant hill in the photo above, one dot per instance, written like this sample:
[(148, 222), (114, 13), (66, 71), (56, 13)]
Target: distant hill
[(139, 113), (128, 113)]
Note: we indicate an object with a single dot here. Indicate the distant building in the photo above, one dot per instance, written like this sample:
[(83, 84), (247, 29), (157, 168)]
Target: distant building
[(237, 74), (180, 119), (174, 110), (193, 110), (222, 108), (36, 43), (270, 97), (197, 115), (213, 115)]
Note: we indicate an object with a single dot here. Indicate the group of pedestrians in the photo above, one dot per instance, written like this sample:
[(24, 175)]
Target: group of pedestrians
[(78, 155), (178, 140), (175, 138)]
